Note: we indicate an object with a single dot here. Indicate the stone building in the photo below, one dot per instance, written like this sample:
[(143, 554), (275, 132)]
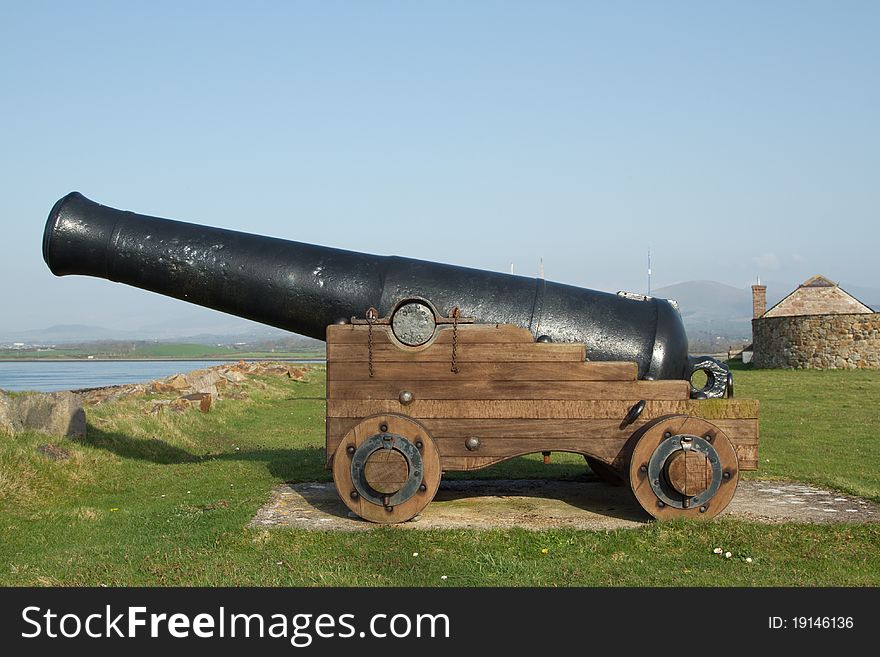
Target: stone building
[(818, 326)]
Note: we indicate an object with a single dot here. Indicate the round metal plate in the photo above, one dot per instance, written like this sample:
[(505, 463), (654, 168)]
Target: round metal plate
[(373, 444), (654, 447), (657, 475), (413, 324)]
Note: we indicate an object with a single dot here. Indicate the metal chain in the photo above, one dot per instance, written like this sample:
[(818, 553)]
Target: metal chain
[(371, 316), (455, 314)]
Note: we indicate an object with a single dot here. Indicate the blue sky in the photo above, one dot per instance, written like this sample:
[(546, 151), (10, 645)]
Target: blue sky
[(733, 139)]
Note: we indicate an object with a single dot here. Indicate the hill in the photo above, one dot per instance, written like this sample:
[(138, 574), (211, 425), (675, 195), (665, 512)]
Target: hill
[(714, 314)]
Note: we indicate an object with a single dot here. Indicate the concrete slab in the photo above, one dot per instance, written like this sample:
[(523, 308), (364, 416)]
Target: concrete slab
[(537, 504)]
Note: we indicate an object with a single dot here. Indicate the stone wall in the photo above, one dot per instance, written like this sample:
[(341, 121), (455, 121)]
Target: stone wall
[(818, 341)]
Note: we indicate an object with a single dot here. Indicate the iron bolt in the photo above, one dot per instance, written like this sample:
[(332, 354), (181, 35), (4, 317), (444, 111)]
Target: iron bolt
[(703, 509), (419, 444), (383, 428), (667, 434), (643, 467), (422, 488), (350, 450), (726, 475), (405, 397), (389, 509), (354, 495), (472, 443), (661, 503)]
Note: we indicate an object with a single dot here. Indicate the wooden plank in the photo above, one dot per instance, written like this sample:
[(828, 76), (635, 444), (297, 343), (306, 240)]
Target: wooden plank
[(452, 433), (746, 455), (503, 439), (525, 409), (465, 353), (478, 390), (712, 409), (527, 371), (525, 430), (466, 334), (462, 463), (604, 448), (739, 431)]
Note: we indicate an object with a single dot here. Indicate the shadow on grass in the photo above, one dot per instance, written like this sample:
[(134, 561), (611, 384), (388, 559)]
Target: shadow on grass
[(562, 481), (292, 463), (144, 449)]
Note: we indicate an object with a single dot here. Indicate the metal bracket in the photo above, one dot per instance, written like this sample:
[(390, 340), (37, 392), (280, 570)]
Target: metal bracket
[(657, 470), (374, 443)]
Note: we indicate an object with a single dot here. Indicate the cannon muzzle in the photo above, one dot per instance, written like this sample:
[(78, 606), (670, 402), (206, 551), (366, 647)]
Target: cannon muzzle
[(303, 287)]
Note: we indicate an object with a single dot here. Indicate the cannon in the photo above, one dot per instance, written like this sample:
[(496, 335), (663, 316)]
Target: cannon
[(434, 367)]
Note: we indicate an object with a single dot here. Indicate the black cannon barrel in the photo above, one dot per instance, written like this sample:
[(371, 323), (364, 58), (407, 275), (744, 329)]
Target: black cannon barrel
[(303, 288)]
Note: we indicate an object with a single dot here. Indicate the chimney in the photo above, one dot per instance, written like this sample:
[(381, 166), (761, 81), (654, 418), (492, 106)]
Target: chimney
[(759, 300)]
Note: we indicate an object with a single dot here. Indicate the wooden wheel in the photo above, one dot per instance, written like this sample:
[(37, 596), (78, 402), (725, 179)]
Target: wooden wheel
[(387, 468), (683, 467)]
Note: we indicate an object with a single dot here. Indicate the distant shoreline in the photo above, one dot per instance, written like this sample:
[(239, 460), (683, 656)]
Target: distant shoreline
[(157, 360)]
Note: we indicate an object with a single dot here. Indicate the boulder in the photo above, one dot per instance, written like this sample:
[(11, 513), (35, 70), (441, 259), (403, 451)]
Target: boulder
[(233, 376), (177, 382), (199, 400), (51, 413), (295, 373)]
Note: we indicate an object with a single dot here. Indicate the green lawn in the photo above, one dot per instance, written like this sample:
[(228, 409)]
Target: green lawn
[(164, 500)]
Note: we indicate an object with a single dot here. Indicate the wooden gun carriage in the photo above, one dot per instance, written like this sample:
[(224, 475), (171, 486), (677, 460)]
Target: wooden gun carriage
[(472, 395)]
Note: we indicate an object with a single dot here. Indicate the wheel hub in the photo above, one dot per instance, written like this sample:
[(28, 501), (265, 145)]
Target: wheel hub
[(684, 471), (386, 469)]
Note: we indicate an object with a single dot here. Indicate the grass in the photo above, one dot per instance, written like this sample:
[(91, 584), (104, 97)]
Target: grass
[(821, 427), (165, 500)]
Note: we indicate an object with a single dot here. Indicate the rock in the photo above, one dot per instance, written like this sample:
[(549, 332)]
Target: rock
[(176, 382), (203, 381), (159, 387), (179, 405), (233, 376), (52, 413), (6, 414), (199, 400)]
